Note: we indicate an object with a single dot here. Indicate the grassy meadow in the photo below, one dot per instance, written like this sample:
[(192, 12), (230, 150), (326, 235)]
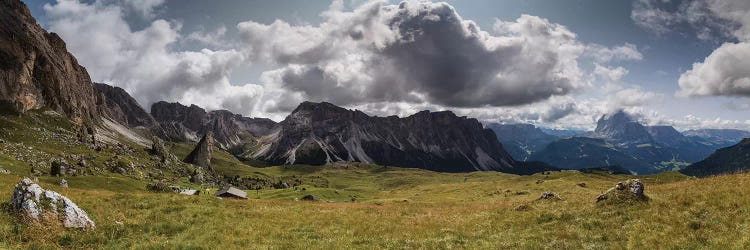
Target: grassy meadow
[(374, 207)]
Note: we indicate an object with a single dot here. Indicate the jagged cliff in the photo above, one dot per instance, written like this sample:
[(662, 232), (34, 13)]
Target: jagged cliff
[(37, 72), (317, 133)]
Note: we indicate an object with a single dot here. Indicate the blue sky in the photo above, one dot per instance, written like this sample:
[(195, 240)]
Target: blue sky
[(239, 78)]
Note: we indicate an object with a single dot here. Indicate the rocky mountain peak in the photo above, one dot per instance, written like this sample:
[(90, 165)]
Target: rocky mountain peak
[(36, 70), (620, 126)]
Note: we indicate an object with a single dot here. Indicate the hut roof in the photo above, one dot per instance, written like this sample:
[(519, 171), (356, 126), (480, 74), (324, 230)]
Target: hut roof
[(231, 192)]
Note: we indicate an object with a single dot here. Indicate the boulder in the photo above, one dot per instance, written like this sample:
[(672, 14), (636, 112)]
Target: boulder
[(35, 204), (549, 196), (630, 191), (59, 168), (64, 183), (309, 197), (158, 149), (4, 171)]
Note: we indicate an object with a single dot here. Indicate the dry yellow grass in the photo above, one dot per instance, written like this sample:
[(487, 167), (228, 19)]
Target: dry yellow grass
[(460, 211)]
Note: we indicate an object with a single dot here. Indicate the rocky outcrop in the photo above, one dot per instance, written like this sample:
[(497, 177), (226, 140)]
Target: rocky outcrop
[(158, 149), (35, 204), (201, 155), (37, 72), (729, 160), (320, 133), (628, 192)]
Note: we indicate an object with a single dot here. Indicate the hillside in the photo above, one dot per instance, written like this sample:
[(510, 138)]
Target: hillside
[(729, 160)]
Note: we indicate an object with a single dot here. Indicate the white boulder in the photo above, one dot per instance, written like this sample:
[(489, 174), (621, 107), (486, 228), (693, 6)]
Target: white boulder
[(34, 203)]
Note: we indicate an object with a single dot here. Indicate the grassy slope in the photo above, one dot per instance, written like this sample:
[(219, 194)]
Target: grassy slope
[(394, 208)]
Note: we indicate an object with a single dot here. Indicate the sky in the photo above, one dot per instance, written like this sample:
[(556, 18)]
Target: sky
[(559, 64)]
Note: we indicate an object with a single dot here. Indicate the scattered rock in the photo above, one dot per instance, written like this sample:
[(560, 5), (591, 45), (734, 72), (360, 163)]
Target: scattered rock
[(540, 181), (581, 184), (522, 207), (549, 196), (36, 204), (59, 168), (198, 177), (284, 185), (64, 183), (309, 197), (4, 171), (630, 191)]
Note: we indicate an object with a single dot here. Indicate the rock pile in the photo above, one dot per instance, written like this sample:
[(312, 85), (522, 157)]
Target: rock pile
[(35, 204), (630, 191), (549, 196)]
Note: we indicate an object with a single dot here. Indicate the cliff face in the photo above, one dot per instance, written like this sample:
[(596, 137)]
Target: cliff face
[(318, 133), (36, 70), (116, 104), (183, 123)]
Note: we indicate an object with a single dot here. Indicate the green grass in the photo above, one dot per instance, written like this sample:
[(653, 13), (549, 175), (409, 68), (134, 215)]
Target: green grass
[(393, 208)]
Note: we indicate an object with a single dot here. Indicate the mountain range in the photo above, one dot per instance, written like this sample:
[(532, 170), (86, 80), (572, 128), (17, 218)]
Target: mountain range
[(38, 73)]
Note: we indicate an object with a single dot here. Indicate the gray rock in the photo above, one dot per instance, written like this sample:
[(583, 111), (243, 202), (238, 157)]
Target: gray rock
[(549, 196), (201, 155), (59, 168), (64, 183), (309, 197), (34, 203), (624, 192), (4, 171)]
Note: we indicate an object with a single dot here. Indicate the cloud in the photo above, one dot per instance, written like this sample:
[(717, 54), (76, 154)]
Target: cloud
[(625, 52), (417, 52), (215, 38), (698, 16), (144, 8), (725, 72), (143, 62)]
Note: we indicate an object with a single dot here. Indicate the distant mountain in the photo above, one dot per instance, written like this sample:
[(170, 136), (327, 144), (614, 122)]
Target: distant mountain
[(521, 140), (622, 129), (584, 152), (37, 72), (688, 149), (563, 132), (724, 161), (617, 140), (717, 138), (183, 123), (317, 133), (116, 104)]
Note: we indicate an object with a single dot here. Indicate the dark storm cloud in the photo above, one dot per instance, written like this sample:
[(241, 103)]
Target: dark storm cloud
[(418, 52)]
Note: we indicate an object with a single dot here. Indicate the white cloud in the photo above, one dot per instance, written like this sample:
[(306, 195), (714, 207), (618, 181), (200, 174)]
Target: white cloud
[(142, 61), (625, 52), (725, 72)]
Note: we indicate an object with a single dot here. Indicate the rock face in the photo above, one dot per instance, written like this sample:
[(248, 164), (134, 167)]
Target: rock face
[(727, 160), (630, 191), (182, 123), (116, 104), (320, 133), (521, 140), (36, 204), (201, 155), (36, 70)]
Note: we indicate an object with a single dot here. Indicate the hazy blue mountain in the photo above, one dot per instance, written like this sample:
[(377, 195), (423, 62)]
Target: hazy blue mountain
[(724, 161), (521, 140)]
